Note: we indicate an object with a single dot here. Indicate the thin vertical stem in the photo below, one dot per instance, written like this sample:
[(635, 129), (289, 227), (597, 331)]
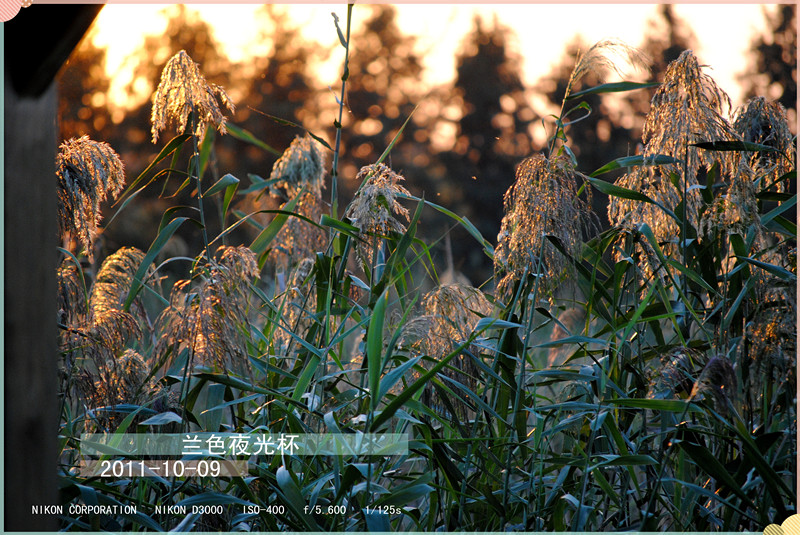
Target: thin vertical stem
[(338, 123), (197, 171)]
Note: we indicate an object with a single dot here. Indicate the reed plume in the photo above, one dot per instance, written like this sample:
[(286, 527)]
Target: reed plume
[(97, 332), (88, 173), (735, 209), (184, 98), (447, 319), (763, 122), (122, 380), (103, 327), (72, 299), (209, 319), (769, 355), (687, 108), (603, 57), (543, 201), (717, 382), (375, 205), (302, 166)]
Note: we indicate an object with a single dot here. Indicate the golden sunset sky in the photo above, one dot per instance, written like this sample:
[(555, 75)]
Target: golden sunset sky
[(724, 33)]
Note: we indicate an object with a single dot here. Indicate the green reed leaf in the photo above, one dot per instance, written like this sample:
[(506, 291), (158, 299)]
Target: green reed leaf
[(615, 87), (221, 184), (375, 350), (138, 279), (248, 137), (635, 161)]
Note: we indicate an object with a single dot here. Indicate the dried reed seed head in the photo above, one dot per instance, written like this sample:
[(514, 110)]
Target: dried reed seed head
[(88, 172), (736, 210), (71, 294), (542, 201), (210, 321), (768, 353), (301, 165), (125, 376), (763, 122), (674, 375), (718, 379), (449, 314), (238, 264), (183, 92), (299, 238), (415, 333), (456, 308), (606, 55), (116, 328), (105, 329), (772, 334), (687, 108), (375, 205), (122, 380), (114, 280)]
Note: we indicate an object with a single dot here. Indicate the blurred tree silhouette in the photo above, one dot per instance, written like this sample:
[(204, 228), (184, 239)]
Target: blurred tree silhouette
[(492, 135), (382, 91), (83, 91), (277, 84), (773, 73)]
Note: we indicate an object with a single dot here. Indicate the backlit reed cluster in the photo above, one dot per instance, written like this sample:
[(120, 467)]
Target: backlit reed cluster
[(125, 379), (769, 355), (543, 201), (208, 317), (88, 173), (374, 208), (97, 333), (296, 305), (605, 56), (302, 166), (299, 171), (735, 207), (763, 122), (103, 328), (446, 321), (687, 108), (717, 385), (185, 99)]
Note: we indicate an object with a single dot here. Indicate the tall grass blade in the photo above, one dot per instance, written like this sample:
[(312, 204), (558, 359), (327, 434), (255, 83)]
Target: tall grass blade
[(375, 350), (138, 279)]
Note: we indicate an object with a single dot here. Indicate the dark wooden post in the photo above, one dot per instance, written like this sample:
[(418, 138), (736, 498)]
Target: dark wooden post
[(37, 42), (31, 420)]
